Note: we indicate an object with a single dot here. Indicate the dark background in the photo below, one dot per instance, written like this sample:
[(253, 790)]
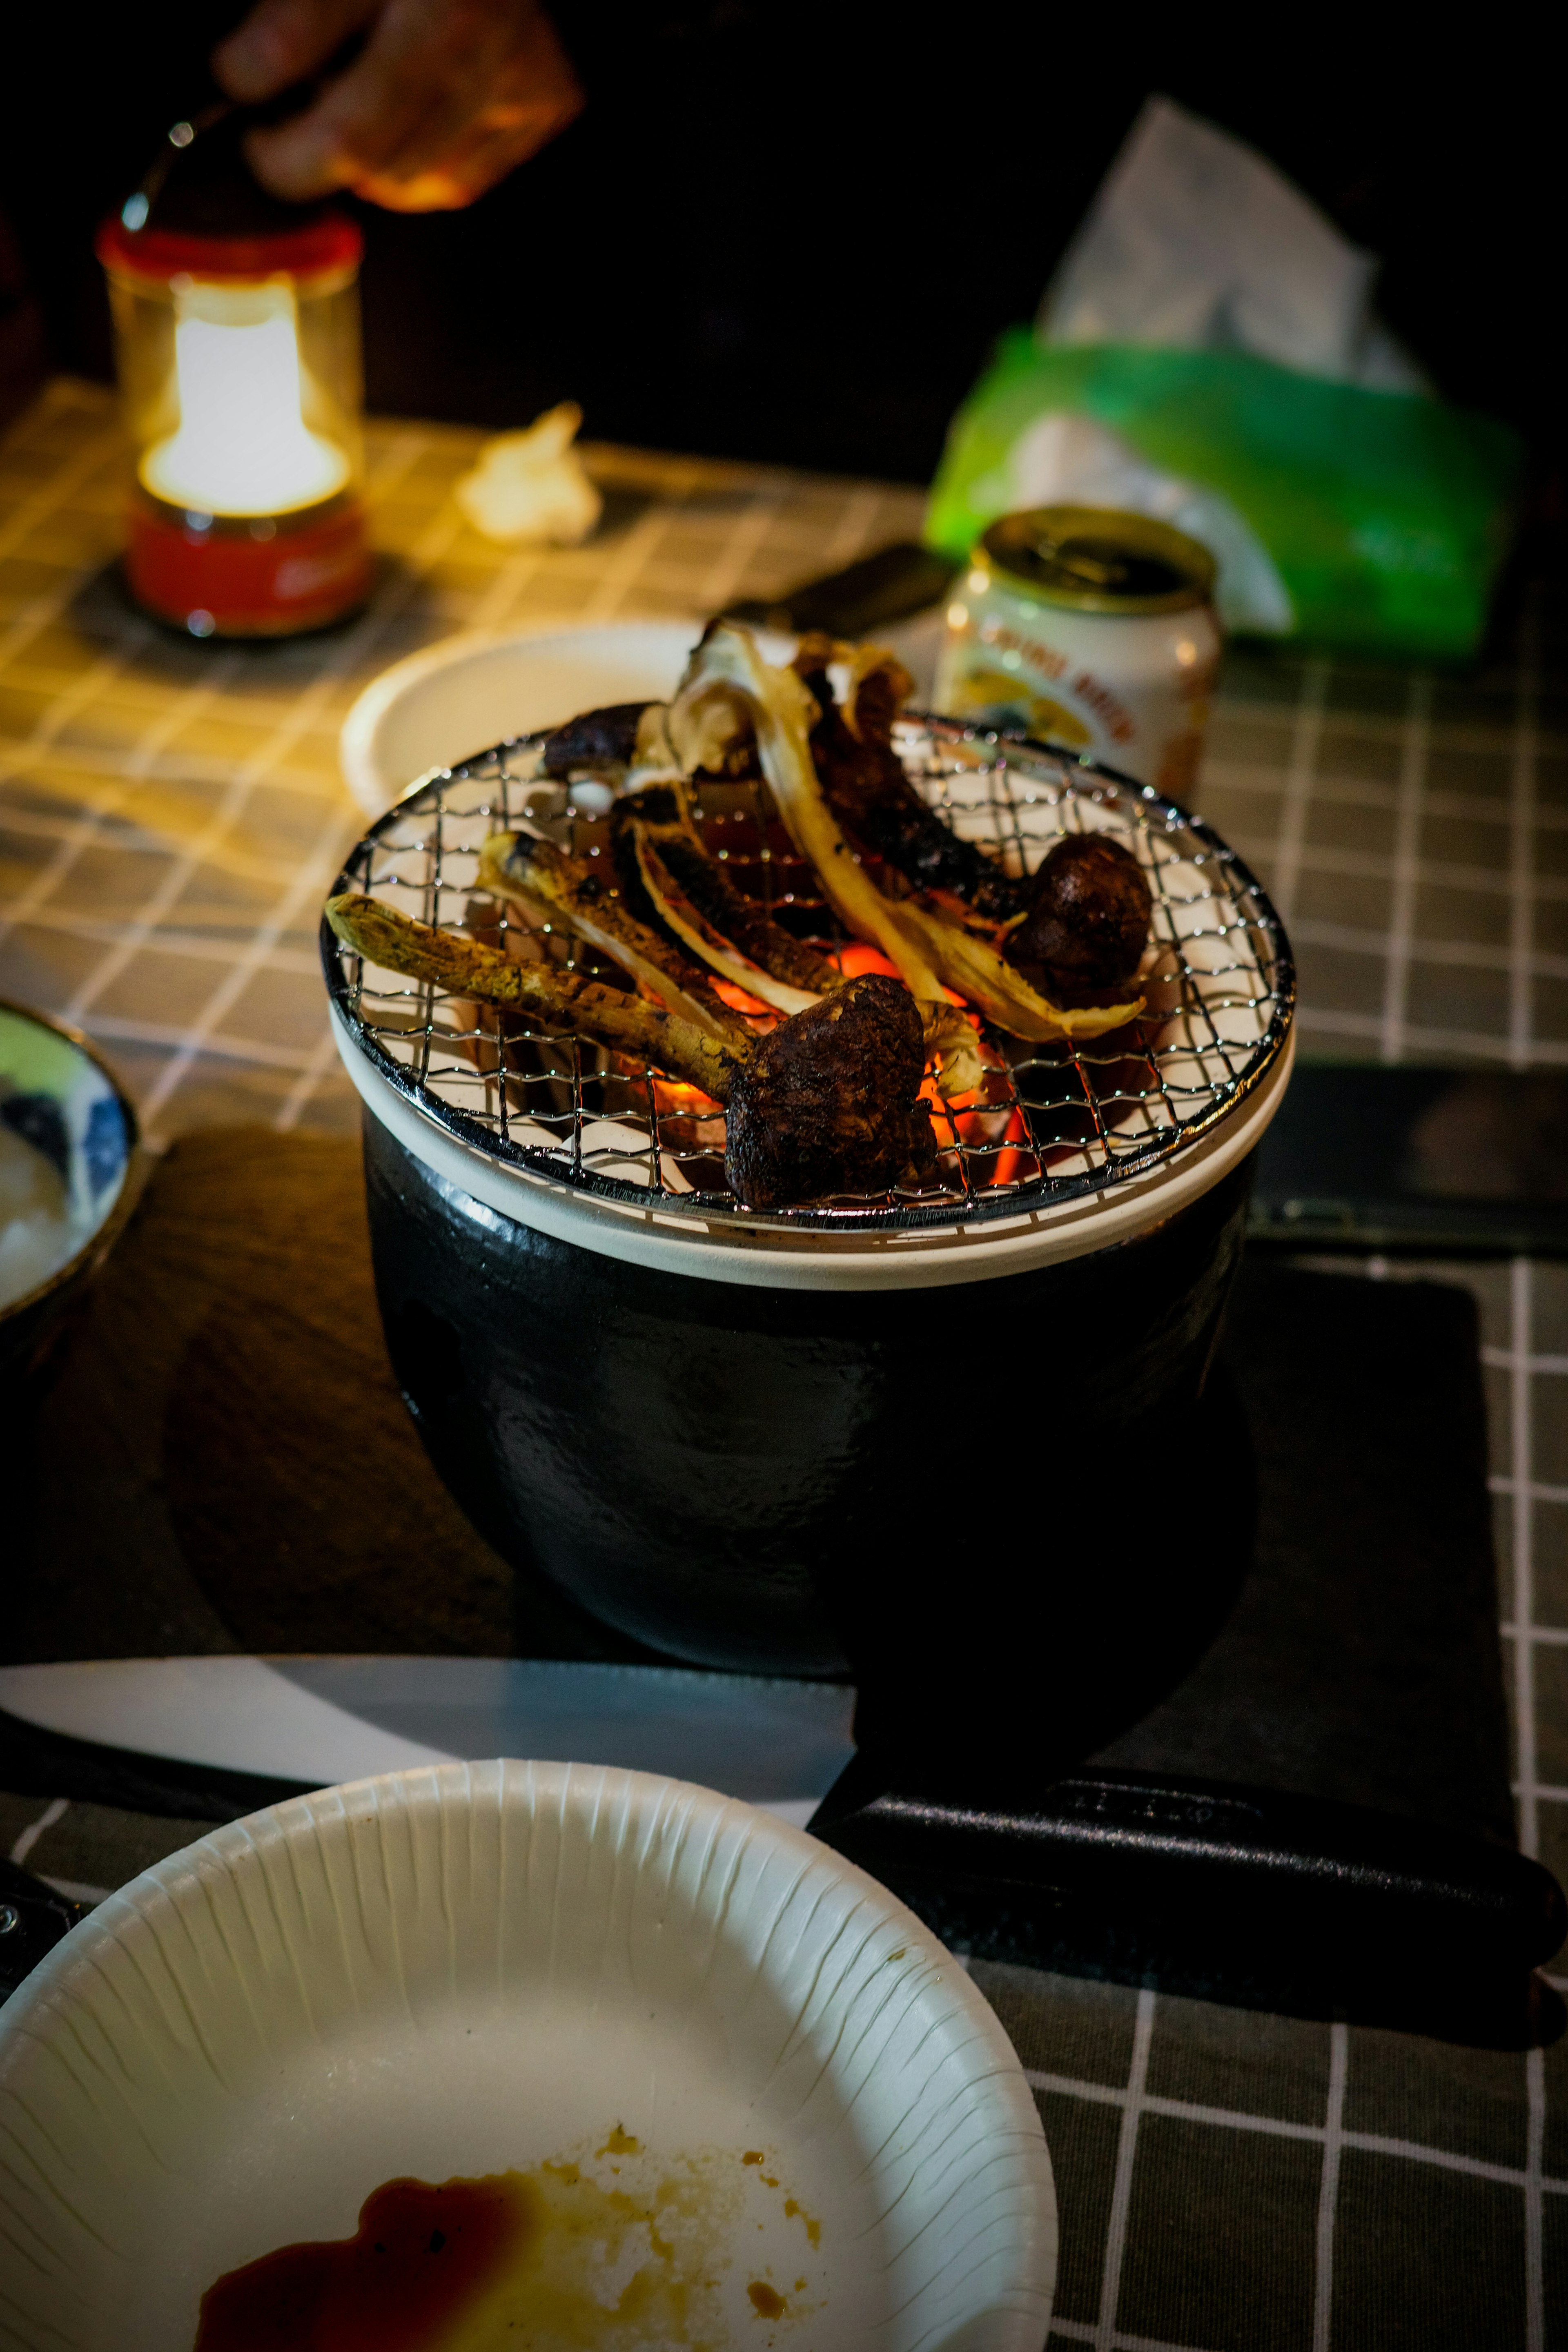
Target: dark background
[(791, 232)]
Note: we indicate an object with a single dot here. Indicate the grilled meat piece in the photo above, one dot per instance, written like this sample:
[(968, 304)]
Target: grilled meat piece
[(826, 1104), (870, 792), (1087, 919), (594, 739)]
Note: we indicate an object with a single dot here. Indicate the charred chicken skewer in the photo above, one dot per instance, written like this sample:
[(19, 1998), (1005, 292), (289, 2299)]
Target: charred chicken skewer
[(826, 1104)]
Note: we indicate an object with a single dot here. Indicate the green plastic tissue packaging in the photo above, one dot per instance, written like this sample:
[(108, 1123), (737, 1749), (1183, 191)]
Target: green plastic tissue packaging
[(1387, 515)]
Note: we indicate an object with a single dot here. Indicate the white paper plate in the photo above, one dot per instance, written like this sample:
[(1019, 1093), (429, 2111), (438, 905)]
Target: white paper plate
[(438, 705), (456, 698), (461, 1971)]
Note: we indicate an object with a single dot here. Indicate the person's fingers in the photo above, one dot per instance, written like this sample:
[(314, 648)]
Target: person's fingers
[(528, 95), (438, 80), (467, 171), (281, 41), (336, 143), (428, 73), (362, 118)]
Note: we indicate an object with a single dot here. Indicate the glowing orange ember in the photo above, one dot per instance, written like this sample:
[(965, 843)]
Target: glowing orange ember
[(739, 1002), (1009, 1166), (671, 1097), (855, 956), (978, 1118)]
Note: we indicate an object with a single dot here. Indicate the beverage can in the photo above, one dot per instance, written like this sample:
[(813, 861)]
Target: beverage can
[(1089, 629)]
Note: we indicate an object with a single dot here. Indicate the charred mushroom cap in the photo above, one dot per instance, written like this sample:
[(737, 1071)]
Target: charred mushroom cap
[(1088, 918), (828, 1102), (594, 739)]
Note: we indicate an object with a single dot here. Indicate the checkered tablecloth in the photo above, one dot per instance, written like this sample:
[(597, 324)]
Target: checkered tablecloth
[(170, 814)]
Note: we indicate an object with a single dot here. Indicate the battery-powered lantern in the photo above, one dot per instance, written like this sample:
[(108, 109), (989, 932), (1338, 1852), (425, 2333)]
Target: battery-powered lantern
[(236, 341)]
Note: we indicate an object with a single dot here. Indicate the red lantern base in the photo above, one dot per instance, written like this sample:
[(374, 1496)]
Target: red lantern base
[(248, 579)]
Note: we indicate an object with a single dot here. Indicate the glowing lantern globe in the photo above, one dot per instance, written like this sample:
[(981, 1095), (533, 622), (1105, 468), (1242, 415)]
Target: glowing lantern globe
[(239, 371)]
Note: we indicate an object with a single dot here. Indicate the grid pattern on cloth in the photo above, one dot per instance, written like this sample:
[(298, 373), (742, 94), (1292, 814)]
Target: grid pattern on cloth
[(170, 815)]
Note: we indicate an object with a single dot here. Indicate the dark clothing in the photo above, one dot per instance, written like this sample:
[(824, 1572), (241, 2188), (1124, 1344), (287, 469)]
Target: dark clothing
[(791, 232)]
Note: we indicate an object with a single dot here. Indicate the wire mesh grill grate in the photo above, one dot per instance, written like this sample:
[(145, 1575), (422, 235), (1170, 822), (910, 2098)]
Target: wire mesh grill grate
[(1051, 1123)]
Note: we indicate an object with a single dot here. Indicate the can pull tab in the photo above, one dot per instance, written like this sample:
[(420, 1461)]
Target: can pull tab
[(1096, 566)]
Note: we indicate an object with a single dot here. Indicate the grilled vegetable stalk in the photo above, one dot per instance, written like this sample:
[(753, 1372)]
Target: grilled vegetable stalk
[(827, 1104), (927, 949), (561, 889), (869, 791), (657, 802), (974, 967), (462, 967), (728, 684), (667, 875), (675, 907)]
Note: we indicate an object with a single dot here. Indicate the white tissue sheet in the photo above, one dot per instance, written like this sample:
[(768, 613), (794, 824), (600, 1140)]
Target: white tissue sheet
[(1197, 243)]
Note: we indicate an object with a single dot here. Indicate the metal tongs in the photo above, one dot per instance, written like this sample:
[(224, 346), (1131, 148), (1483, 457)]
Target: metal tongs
[(1206, 1888), (33, 1919)]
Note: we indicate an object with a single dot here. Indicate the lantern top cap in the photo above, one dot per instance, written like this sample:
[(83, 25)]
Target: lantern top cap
[(321, 245)]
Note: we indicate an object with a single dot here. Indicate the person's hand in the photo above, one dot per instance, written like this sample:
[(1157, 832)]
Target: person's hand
[(446, 96)]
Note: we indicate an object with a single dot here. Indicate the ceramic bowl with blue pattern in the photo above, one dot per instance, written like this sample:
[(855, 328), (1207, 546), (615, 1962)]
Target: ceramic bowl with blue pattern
[(66, 1137)]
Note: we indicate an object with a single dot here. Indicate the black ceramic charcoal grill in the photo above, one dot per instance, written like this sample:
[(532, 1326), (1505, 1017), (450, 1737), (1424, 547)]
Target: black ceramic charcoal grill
[(1057, 1123), (719, 1432)]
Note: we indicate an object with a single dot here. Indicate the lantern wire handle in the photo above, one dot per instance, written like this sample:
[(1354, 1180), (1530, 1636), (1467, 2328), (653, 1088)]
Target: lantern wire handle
[(180, 135), (137, 208)]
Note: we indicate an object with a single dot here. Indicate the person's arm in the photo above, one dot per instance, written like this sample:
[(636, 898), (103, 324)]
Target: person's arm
[(445, 98)]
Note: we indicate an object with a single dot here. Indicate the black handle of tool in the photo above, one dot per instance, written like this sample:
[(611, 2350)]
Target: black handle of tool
[(33, 1919), (891, 585), (1214, 1862)]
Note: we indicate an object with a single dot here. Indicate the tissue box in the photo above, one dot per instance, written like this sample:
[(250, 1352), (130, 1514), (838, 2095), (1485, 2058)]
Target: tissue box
[(1385, 515)]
